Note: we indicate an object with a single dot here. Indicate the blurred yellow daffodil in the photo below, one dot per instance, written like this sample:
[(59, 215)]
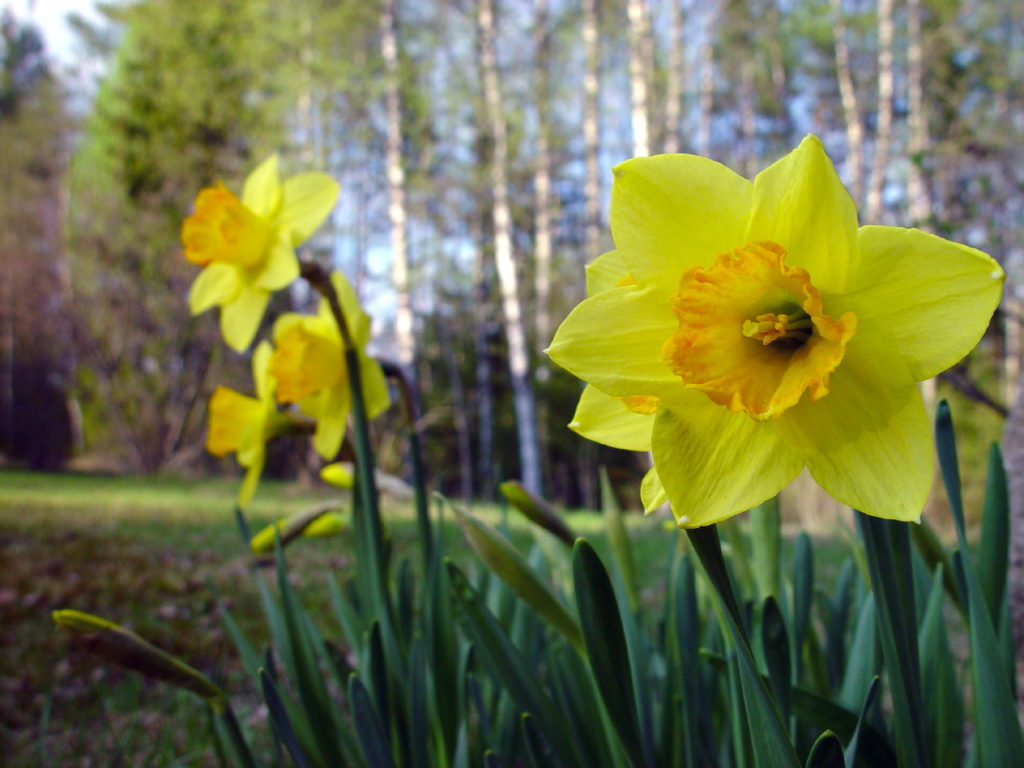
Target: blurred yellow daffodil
[(247, 247), (309, 367), (243, 425), (768, 333)]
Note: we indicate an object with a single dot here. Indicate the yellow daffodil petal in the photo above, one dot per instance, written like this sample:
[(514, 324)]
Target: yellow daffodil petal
[(218, 283), (240, 318), (672, 212), (375, 387), (280, 268), (249, 483), (868, 444), (261, 192), (306, 201), (358, 321), (930, 298), (339, 473), (800, 203), (230, 412), (261, 371), (613, 340), (330, 407), (652, 492), (714, 463), (607, 271), (608, 420)]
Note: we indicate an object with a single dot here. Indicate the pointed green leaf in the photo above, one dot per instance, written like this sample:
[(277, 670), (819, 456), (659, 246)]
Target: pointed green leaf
[(827, 752), (998, 736), (853, 745), (993, 549), (768, 734), (943, 707), (368, 726), (282, 724), (887, 543), (606, 647), (775, 648), (504, 560)]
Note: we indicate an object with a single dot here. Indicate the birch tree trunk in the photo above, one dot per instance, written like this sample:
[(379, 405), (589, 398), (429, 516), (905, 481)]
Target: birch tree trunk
[(485, 331), (918, 193), (883, 136), (851, 105), (591, 134), (639, 42), (748, 111), (707, 78), (504, 258), (542, 184), (917, 189), (674, 78), (405, 349)]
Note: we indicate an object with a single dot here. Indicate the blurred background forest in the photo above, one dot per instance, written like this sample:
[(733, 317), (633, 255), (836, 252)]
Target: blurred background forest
[(473, 140)]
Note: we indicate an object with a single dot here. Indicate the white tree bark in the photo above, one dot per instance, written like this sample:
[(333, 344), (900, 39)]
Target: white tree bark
[(639, 50), (917, 190), (674, 78), (748, 113), (542, 185), (851, 105), (883, 135), (706, 100), (591, 133), (404, 342), (504, 258)]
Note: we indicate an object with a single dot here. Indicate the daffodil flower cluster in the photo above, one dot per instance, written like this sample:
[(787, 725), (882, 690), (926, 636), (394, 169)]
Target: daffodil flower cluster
[(246, 248), (742, 331)]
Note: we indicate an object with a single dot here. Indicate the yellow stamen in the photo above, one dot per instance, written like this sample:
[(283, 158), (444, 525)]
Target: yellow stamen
[(769, 327)]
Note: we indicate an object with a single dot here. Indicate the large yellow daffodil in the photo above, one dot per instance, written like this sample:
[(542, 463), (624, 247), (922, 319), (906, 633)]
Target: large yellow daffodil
[(310, 370), (773, 333), (242, 425), (247, 247)]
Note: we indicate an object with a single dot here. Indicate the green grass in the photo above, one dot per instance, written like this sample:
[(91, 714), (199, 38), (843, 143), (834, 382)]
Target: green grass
[(160, 555)]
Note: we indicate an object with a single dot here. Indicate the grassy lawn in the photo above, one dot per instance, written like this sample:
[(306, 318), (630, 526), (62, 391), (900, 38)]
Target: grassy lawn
[(160, 556), (163, 556)]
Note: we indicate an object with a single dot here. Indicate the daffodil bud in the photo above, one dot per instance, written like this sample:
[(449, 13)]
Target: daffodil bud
[(321, 520), (126, 649)]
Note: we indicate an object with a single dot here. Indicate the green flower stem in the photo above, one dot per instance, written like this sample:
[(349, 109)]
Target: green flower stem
[(766, 545), (419, 479), (768, 734), (320, 280)]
